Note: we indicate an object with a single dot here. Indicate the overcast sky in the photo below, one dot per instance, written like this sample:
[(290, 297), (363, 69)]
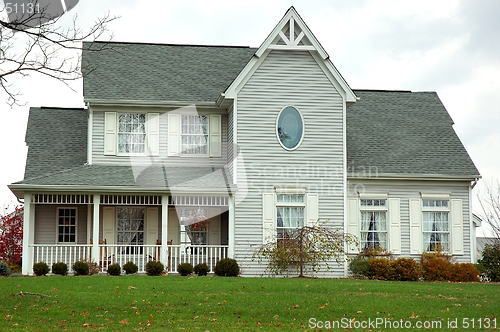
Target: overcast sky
[(451, 47)]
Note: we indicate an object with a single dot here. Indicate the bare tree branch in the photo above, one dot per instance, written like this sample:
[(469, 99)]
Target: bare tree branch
[(489, 200), (49, 48)]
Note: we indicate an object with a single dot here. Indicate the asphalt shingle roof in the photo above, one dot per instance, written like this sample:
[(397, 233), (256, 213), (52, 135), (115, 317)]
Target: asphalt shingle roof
[(160, 72), (57, 140), (402, 132)]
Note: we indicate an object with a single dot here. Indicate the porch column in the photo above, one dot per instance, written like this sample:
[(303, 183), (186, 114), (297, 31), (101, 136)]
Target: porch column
[(230, 225), (28, 235), (164, 230), (95, 229)]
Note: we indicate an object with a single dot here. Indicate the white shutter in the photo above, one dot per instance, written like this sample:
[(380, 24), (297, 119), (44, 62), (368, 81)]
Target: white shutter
[(108, 224), (215, 136), (153, 135), (394, 226), (353, 222), (110, 133), (151, 225), (416, 240), (214, 227), (269, 217), (312, 209), (174, 134), (457, 231)]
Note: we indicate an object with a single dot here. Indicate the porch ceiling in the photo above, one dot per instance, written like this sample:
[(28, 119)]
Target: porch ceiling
[(175, 180)]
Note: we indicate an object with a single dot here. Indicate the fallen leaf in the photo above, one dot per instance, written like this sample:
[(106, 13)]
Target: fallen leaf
[(130, 287), (124, 321)]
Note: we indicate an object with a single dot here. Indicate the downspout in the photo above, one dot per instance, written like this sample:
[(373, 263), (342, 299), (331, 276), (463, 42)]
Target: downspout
[(475, 182), (19, 200)]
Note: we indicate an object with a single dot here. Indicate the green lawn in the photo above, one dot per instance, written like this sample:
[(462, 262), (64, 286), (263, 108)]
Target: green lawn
[(241, 304)]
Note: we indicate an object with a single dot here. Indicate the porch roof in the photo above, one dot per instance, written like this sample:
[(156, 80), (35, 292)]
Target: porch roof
[(154, 177)]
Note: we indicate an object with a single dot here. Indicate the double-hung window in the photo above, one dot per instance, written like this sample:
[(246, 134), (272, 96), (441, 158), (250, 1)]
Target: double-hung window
[(289, 214), (131, 133), (373, 230), (130, 222), (194, 134), (436, 230), (66, 225)]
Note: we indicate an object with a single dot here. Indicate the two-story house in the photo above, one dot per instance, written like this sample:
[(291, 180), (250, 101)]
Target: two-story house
[(195, 153)]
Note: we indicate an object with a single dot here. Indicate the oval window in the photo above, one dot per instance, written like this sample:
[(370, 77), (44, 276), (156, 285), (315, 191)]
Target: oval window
[(290, 128)]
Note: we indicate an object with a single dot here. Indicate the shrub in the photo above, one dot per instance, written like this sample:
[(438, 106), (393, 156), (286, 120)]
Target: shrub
[(60, 268), (380, 268), (81, 268), (491, 261), (201, 269), (14, 267), (436, 267), (93, 267), (14, 275), (464, 272), (130, 267), (185, 269), (41, 268), (4, 269), (360, 267), (405, 269), (154, 268), (227, 267), (114, 269)]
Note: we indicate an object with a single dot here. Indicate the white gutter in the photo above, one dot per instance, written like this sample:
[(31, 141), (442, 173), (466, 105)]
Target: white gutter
[(147, 103), (393, 176)]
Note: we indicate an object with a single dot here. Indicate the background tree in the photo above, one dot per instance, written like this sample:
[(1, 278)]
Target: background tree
[(489, 200), (306, 248), (32, 40), (11, 236)]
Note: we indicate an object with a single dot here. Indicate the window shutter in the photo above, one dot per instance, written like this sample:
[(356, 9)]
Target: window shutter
[(151, 225), (174, 134), (457, 231), (394, 226), (214, 227), (416, 227), (215, 135), (153, 135), (269, 217), (110, 133), (108, 224), (312, 209), (353, 222)]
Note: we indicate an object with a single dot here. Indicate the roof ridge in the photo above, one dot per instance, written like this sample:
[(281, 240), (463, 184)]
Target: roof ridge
[(166, 44)]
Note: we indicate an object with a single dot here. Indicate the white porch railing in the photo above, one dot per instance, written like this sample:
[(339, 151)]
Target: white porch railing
[(138, 254)]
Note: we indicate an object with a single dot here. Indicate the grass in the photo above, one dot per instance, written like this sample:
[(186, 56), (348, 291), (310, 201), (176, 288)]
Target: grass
[(239, 304)]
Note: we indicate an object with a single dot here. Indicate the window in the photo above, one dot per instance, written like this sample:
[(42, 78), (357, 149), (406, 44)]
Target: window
[(194, 134), (289, 128), (436, 232), (373, 231), (66, 225), (131, 133), (290, 214), (130, 226)]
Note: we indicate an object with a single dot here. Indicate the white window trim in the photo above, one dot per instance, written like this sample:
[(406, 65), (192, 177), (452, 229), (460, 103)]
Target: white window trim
[(433, 197), (302, 204), (368, 208), (303, 127), (76, 224), (123, 154), (180, 137), (117, 220)]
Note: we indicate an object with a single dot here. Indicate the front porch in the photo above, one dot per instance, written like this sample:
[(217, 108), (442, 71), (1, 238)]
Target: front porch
[(137, 228)]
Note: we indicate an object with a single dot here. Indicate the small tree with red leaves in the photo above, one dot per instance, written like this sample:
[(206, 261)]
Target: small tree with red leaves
[(11, 236)]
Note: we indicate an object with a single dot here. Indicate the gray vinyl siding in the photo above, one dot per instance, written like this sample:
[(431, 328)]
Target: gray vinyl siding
[(410, 190), (230, 140), (287, 78), (46, 223), (98, 156)]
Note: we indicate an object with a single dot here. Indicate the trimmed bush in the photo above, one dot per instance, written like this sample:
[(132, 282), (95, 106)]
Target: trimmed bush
[(154, 268), (405, 269), (360, 267), (14, 275), (14, 268), (40, 268), (130, 267), (491, 261), (227, 267), (380, 268), (201, 269), (81, 268), (114, 269), (60, 268), (436, 267), (464, 272), (185, 269), (4, 269)]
